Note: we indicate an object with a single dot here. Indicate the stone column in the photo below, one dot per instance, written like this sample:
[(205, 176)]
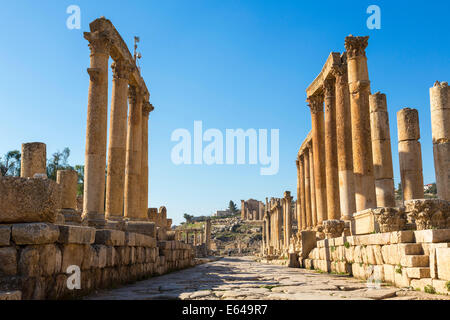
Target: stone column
[(287, 218), (195, 238), (318, 138), (279, 225), (410, 154), (331, 159), (308, 217), (242, 209), (115, 180), (132, 203), (298, 201), (147, 108), (381, 147), (68, 183), (33, 159), (359, 85), (312, 185), (440, 126), (302, 192), (344, 142), (96, 131), (208, 234)]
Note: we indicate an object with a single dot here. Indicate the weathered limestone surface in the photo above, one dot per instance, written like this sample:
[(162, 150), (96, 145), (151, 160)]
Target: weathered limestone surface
[(429, 213), (33, 159), (381, 147), (440, 125), (28, 200), (312, 185), (410, 154), (34, 233)]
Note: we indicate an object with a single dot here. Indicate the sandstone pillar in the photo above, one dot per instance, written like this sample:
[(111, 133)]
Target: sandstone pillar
[(280, 237), (331, 159), (147, 108), (302, 192), (359, 85), (318, 138), (132, 203), (115, 180), (298, 201), (243, 217), (440, 126), (33, 159), (208, 235), (312, 185), (96, 131), (410, 154), (381, 147), (287, 218), (308, 217), (344, 143)]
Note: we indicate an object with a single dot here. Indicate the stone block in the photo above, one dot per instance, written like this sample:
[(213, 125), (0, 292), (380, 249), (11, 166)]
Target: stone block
[(50, 259), (130, 239), (401, 280), (410, 249), (99, 256), (389, 273), (440, 286), (443, 263), (379, 238), (143, 240), (5, 235), (432, 235), (110, 237), (415, 261), (28, 200), (402, 236), (308, 242), (421, 283), (34, 233), (29, 262), (363, 222), (111, 256), (433, 263), (142, 227), (72, 254), (76, 235), (418, 273), (10, 295), (428, 246)]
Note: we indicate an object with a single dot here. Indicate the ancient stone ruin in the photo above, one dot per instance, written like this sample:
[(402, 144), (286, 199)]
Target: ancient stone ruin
[(347, 217)]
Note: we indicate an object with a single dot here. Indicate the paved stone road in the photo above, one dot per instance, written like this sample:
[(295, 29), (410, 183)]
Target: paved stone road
[(241, 278)]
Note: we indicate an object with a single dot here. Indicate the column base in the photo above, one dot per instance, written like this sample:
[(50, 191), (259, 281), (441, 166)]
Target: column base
[(96, 220)]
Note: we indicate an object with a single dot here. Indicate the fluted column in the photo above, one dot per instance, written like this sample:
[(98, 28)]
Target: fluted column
[(440, 127), (344, 143), (308, 217), (96, 131), (312, 185), (410, 154), (318, 138), (359, 85), (331, 158), (147, 108), (381, 147), (115, 180), (302, 192), (132, 204)]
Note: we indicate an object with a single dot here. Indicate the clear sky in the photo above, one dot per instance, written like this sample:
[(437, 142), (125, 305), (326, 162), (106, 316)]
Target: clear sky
[(230, 64)]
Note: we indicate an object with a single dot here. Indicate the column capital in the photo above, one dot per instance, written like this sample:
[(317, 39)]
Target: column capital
[(329, 86), (315, 102), (99, 42), (147, 108), (356, 46), (339, 72), (121, 69)]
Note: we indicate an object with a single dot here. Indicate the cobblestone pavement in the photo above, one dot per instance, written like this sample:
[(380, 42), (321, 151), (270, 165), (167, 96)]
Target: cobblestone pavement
[(241, 278)]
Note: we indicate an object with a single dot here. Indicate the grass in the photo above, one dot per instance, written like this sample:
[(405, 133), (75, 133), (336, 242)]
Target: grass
[(429, 289), (269, 287), (398, 269), (347, 245), (447, 284)]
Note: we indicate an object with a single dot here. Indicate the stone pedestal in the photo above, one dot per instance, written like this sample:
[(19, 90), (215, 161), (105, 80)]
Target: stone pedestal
[(410, 154), (68, 184), (318, 131), (96, 131), (115, 180), (440, 125), (33, 160), (359, 85), (381, 147)]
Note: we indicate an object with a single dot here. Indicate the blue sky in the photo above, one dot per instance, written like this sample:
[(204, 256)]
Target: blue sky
[(230, 64)]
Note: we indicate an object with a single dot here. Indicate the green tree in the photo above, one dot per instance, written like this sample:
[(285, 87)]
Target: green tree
[(80, 171), (58, 162), (232, 207), (188, 218), (399, 192), (10, 164), (433, 189)]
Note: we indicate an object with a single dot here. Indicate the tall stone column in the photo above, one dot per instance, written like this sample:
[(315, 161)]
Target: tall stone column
[(359, 86), (33, 160), (331, 158), (208, 235), (318, 138), (344, 142), (308, 217), (96, 131), (243, 217), (115, 180), (440, 126), (279, 225), (298, 201), (68, 183), (381, 147), (312, 186), (146, 109), (287, 218), (132, 204), (302, 192), (410, 154)]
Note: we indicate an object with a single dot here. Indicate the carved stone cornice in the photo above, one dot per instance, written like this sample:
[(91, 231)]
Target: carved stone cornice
[(99, 42), (356, 46), (121, 69), (315, 103)]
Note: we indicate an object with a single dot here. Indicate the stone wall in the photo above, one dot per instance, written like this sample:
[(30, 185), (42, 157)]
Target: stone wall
[(418, 259), (34, 258)]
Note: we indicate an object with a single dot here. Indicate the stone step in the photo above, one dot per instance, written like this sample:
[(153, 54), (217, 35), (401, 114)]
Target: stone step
[(413, 261), (410, 249), (418, 272)]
